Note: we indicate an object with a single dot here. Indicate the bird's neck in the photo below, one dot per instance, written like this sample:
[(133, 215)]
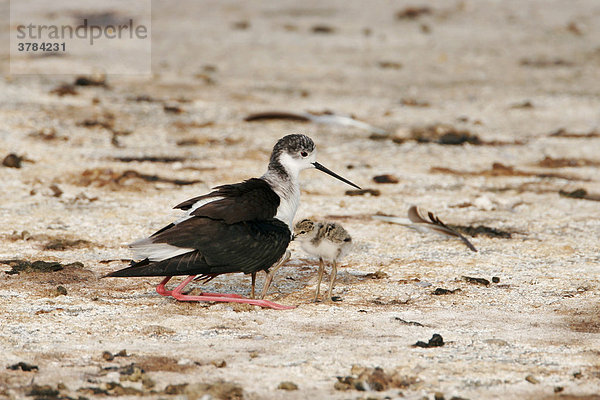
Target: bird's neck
[(285, 184)]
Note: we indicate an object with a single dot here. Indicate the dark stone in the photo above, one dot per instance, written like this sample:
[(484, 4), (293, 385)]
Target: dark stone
[(23, 366)]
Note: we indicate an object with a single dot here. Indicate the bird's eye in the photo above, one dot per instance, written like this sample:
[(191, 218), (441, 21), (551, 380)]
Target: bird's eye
[(304, 154)]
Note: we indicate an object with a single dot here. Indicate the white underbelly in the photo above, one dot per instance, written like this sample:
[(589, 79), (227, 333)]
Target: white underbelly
[(326, 250), (287, 209)]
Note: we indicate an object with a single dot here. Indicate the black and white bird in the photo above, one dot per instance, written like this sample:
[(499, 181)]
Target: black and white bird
[(242, 227), (327, 240)]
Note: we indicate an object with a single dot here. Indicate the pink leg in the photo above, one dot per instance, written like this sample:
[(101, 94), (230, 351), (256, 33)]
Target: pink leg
[(160, 289), (228, 298)]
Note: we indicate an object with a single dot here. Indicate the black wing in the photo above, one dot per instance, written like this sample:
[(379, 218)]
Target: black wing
[(220, 248), (246, 201)]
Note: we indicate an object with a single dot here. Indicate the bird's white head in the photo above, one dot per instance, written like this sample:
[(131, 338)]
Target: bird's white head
[(293, 153)]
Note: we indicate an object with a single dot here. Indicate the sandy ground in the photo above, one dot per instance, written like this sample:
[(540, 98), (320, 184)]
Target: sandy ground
[(511, 73)]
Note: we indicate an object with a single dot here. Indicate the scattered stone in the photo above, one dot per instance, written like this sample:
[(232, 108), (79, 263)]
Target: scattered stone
[(479, 281), (558, 389), (43, 391), (132, 373), (387, 178), (438, 396), (61, 291), (222, 390), (409, 102), (389, 65), (116, 389), (435, 341), (23, 366), (441, 291), (575, 194), (240, 25), (56, 191), (362, 192), (574, 28), (175, 389), (495, 279), (99, 80), (577, 375), (373, 379), (122, 353), (394, 302), (19, 266), (107, 356), (377, 275), (413, 12), (532, 379), (147, 382), (524, 105), (545, 62), (154, 159), (101, 177), (287, 386), (336, 299), (405, 322), (173, 109), (61, 244), (322, 29), (566, 134), (444, 134), (64, 90), (549, 162), (219, 363), (144, 98), (12, 161), (496, 342)]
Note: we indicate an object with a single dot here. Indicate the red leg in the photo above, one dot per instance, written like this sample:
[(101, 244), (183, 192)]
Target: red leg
[(160, 289), (228, 298)]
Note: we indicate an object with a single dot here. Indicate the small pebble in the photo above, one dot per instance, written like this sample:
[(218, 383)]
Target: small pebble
[(435, 341), (61, 291), (23, 366), (12, 161), (219, 364), (287, 386), (532, 379), (387, 178)]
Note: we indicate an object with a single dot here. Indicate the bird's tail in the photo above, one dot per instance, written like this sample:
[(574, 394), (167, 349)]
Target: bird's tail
[(137, 268)]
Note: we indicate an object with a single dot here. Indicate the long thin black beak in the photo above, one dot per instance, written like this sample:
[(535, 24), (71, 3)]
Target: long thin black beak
[(330, 172)]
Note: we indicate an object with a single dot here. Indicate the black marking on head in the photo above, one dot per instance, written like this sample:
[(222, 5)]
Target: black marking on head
[(293, 145)]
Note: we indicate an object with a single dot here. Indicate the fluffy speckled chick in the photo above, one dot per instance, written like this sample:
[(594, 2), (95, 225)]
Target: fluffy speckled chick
[(327, 240)]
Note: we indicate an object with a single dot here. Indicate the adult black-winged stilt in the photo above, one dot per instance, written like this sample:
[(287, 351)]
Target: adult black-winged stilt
[(242, 227)]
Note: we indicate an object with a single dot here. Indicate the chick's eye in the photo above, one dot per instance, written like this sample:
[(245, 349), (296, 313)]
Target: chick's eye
[(304, 154)]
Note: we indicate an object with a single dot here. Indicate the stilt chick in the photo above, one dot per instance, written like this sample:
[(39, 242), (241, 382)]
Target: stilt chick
[(328, 241)]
